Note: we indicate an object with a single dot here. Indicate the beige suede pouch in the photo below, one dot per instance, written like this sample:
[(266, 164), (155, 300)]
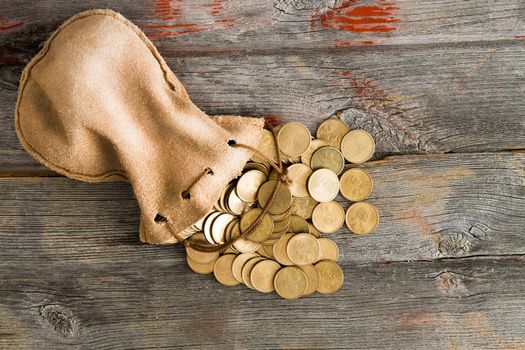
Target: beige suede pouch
[(98, 103)]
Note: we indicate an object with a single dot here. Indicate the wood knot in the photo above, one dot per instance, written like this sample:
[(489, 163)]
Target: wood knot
[(451, 283), (61, 319)]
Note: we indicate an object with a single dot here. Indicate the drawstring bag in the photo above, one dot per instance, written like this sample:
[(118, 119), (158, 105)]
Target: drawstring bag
[(98, 103)]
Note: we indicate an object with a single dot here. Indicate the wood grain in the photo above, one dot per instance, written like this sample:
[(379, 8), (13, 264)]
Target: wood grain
[(432, 207), (222, 25), (404, 96)]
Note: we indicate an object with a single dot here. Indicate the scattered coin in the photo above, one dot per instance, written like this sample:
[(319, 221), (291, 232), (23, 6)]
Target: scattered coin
[(332, 131), (299, 174), (362, 218), (330, 277), (206, 227), (328, 250), (248, 185), (298, 224), (290, 282), (202, 269), (329, 158), (303, 206), (262, 231), (200, 257), (358, 146), (313, 231), (356, 184), (235, 205), (279, 250), (223, 270), (239, 262), (314, 146), (282, 201), (312, 278), (328, 217), (267, 147), (303, 249), (294, 139), (218, 227), (323, 185), (247, 270), (263, 274)]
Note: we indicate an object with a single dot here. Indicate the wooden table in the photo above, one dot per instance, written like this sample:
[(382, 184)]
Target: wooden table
[(440, 85)]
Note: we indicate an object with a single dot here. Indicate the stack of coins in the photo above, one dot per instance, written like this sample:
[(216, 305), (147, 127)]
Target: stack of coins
[(286, 252)]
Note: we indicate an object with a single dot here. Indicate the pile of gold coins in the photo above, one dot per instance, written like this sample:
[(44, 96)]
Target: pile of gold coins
[(286, 252)]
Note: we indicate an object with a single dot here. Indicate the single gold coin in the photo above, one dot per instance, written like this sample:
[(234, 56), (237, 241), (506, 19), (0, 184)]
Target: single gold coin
[(299, 174), (328, 250), (242, 245), (264, 228), (314, 146), (294, 139), (303, 206), (202, 269), (248, 185), (223, 270), (263, 274), (328, 217), (332, 131), (218, 227), (312, 278), (239, 262), (313, 231), (303, 249), (298, 224), (358, 146), (247, 270), (329, 158), (267, 147), (356, 184), (290, 282), (282, 201), (330, 277), (362, 218), (279, 249), (198, 256), (323, 185)]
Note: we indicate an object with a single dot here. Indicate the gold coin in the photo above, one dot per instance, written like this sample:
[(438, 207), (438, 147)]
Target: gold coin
[(262, 275), (223, 270), (356, 185), (298, 224), (299, 174), (262, 167), (247, 269), (221, 202), (281, 217), (267, 147), (303, 206), (218, 227), (266, 251), (303, 249), (362, 218), (358, 146), (290, 282), (328, 217), (313, 231), (277, 128), (282, 201), (329, 158), (206, 227), (262, 231), (198, 256), (202, 269), (294, 160), (314, 146), (294, 139), (243, 245), (323, 185), (330, 277), (332, 131), (279, 249), (248, 185), (239, 262), (328, 250), (274, 175), (279, 226), (234, 204), (312, 278)]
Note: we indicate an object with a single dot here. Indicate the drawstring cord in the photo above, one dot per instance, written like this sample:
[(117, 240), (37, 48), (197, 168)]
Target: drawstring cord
[(282, 178)]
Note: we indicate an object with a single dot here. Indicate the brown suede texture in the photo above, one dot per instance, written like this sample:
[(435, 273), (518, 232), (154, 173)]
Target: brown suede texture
[(98, 103)]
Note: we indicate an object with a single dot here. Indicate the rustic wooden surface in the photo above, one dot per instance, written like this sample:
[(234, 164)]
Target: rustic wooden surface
[(438, 83)]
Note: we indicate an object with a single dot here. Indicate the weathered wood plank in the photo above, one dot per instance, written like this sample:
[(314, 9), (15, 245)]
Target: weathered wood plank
[(219, 25), (149, 303), (413, 100), (432, 207)]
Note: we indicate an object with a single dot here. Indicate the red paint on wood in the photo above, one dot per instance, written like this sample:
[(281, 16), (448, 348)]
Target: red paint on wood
[(274, 120), (352, 17), (342, 43), (519, 36), (5, 25)]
